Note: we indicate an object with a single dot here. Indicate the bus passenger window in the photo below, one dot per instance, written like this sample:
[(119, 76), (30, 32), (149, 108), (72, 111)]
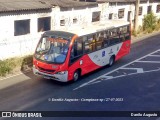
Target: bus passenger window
[(124, 29), (106, 34), (77, 50), (72, 54), (100, 36), (90, 43), (93, 45), (114, 36), (106, 42), (78, 47), (124, 33), (127, 35), (87, 49), (90, 39), (99, 41), (114, 32), (106, 39), (99, 45)]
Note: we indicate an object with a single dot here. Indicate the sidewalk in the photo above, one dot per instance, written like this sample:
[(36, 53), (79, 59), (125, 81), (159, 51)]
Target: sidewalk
[(143, 36)]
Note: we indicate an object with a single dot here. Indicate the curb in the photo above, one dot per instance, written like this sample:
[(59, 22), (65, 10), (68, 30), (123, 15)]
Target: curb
[(140, 38), (18, 73)]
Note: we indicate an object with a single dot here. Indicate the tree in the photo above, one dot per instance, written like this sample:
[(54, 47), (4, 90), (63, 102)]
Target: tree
[(136, 15)]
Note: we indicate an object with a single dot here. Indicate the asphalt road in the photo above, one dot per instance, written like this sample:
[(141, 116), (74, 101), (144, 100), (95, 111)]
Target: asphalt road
[(132, 84)]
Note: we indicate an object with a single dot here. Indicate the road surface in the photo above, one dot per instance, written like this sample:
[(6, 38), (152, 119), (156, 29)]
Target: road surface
[(132, 84)]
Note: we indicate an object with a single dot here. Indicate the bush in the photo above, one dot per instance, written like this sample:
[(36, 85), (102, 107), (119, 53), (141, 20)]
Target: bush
[(134, 33), (158, 21), (9, 65), (149, 30), (140, 30), (158, 25), (149, 22), (27, 63), (5, 67)]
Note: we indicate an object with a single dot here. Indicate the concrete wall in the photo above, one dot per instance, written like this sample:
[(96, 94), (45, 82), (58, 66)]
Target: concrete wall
[(83, 16), (144, 11), (11, 46), (131, 7)]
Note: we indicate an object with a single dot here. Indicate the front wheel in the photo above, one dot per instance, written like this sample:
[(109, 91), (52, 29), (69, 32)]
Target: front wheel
[(76, 75), (111, 61)]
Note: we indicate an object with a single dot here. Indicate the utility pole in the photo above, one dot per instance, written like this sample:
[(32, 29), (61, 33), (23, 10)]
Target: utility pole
[(136, 15)]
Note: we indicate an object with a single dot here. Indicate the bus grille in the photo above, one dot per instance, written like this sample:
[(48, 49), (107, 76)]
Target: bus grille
[(46, 70)]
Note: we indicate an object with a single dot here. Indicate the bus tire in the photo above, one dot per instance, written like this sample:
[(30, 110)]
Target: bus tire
[(76, 75), (111, 61)]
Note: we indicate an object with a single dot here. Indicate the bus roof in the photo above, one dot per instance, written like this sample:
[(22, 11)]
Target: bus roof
[(95, 27)]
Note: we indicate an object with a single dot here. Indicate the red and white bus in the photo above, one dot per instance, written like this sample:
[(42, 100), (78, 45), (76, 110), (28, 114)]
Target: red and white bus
[(67, 55)]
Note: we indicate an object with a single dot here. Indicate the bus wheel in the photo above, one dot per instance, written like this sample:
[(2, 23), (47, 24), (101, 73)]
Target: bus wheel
[(111, 60), (76, 75)]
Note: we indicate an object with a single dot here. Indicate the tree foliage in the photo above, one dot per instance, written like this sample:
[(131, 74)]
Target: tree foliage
[(149, 22)]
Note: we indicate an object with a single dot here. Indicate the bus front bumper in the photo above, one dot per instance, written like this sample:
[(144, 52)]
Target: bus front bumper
[(58, 77)]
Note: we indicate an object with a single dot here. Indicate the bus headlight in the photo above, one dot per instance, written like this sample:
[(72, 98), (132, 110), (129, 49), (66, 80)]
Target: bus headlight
[(62, 72)]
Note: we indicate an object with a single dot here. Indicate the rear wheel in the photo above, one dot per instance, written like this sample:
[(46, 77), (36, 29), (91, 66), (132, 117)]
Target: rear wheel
[(111, 60), (76, 75)]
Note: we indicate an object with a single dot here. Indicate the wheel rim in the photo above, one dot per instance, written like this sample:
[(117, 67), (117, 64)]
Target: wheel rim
[(111, 61), (76, 76)]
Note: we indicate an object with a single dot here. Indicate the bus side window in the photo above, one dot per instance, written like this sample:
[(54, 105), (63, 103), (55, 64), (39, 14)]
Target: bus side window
[(99, 41), (114, 36), (77, 50), (106, 38), (87, 47), (121, 34), (125, 33), (78, 47), (90, 43), (111, 40)]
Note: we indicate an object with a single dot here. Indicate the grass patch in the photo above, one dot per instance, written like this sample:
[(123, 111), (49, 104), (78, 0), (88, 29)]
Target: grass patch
[(27, 63), (134, 33), (5, 68), (158, 25), (9, 65)]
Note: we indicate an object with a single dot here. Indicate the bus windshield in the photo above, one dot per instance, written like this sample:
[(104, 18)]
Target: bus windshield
[(52, 49)]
